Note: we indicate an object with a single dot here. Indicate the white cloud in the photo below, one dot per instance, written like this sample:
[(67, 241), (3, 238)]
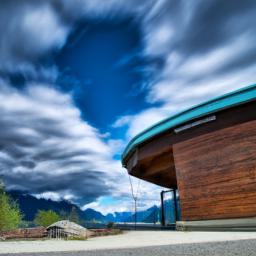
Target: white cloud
[(48, 195), (147, 196), (158, 38), (144, 119), (116, 205), (29, 31), (180, 96), (43, 27), (46, 149), (201, 57), (122, 121)]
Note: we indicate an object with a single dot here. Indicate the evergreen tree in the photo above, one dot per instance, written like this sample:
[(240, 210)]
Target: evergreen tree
[(73, 216)]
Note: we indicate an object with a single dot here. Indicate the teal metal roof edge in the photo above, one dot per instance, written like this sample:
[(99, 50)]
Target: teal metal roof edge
[(228, 100)]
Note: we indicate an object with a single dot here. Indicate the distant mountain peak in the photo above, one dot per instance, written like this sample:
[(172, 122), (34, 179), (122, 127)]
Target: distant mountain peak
[(29, 206)]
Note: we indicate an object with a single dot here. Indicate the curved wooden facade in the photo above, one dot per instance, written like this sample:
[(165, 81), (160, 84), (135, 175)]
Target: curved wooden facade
[(208, 153)]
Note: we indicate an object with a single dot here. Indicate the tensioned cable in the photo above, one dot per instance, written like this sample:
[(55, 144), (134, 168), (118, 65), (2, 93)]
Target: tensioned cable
[(135, 196)]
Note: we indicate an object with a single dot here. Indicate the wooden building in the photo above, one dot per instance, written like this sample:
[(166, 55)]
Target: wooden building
[(208, 154)]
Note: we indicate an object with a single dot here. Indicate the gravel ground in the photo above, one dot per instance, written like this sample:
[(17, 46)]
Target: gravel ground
[(230, 248), (146, 241)]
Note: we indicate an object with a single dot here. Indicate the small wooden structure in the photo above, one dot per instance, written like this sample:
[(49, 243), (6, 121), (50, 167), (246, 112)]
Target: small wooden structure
[(208, 154), (65, 229)]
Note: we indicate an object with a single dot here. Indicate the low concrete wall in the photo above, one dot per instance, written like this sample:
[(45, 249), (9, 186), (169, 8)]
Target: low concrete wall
[(244, 224), (144, 226)]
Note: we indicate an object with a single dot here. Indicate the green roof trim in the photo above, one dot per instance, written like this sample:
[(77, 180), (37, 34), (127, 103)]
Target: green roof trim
[(228, 100)]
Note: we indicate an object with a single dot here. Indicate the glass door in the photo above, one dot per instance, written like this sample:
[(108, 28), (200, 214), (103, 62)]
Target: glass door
[(170, 207)]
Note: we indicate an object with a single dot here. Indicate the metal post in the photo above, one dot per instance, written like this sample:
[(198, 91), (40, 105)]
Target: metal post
[(155, 217), (162, 209), (135, 214), (175, 204)]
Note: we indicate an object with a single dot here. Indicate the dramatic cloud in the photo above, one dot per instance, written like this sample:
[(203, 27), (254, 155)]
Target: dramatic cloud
[(77, 9), (203, 49), (45, 147), (31, 30), (47, 150)]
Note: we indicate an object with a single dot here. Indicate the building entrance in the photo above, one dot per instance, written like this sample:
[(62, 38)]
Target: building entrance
[(170, 207)]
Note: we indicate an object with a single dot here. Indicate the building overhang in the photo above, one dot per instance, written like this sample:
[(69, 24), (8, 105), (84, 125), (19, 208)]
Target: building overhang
[(210, 107), (149, 155)]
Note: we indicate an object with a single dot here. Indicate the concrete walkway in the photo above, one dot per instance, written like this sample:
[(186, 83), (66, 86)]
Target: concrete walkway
[(133, 239)]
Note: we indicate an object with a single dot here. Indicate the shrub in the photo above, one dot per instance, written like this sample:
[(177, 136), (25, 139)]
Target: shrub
[(110, 225), (10, 215), (46, 218)]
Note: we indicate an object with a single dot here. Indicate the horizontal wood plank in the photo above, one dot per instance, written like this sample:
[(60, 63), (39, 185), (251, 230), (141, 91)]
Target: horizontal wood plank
[(216, 173)]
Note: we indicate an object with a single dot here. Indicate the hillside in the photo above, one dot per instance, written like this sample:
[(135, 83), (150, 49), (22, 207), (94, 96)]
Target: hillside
[(29, 206)]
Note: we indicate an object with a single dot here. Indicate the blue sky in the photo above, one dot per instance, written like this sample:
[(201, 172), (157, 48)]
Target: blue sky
[(79, 78), (105, 55)]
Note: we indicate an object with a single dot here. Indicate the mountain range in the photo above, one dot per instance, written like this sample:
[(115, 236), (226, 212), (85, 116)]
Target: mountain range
[(29, 206)]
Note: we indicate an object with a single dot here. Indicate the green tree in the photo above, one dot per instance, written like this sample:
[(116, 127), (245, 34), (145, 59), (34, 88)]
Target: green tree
[(73, 216), (10, 215), (46, 218)]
